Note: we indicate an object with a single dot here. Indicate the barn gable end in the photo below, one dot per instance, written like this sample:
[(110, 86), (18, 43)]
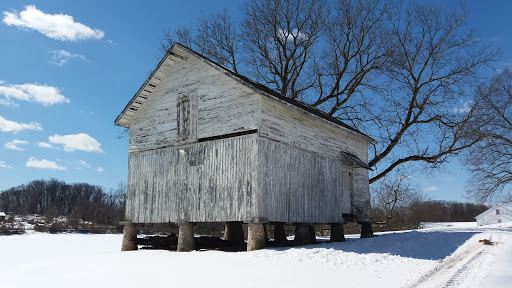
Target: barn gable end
[(217, 106)]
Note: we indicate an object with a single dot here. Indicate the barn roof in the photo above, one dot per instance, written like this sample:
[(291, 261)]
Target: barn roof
[(178, 53), (492, 209)]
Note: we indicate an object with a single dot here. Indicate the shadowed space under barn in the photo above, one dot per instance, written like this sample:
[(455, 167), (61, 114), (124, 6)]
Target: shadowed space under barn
[(208, 145)]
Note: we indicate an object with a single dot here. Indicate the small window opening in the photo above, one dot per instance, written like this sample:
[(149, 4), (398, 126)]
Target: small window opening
[(183, 107)]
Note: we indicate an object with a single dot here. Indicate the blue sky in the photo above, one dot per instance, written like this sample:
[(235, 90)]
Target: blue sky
[(68, 68)]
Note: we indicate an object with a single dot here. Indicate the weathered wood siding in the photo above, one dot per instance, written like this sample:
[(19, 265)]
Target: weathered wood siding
[(224, 106), (235, 179), (303, 130), (299, 186), (309, 132), (361, 196), (202, 182)]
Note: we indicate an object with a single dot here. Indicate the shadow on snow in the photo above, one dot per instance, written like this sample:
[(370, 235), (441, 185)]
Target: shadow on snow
[(413, 244)]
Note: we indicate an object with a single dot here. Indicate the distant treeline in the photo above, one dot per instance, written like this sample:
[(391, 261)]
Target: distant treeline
[(413, 214), (79, 201)]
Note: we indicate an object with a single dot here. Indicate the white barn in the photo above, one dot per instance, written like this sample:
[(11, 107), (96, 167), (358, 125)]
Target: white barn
[(494, 215), (210, 145)]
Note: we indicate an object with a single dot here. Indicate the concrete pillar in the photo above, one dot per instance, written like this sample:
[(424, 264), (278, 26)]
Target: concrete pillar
[(256, 236), (186, 237), (265, 229), (366, 230), (303, 235), (337, 233), (312, 234), (129, 236), (234, 232), (280, 234)]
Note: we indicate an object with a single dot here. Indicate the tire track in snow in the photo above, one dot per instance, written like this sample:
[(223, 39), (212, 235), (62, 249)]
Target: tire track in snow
[(462, 269), (461, 275)]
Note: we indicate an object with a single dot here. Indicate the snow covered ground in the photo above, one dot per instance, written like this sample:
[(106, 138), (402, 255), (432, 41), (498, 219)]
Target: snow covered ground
[(440, 255)]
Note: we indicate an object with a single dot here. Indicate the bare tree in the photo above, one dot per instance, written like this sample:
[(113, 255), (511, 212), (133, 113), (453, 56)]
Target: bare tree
[(279, 38), (215, 35), (490, 161), (356, 45), (395, 70), (436, 60), (394, 192), (218, 36)]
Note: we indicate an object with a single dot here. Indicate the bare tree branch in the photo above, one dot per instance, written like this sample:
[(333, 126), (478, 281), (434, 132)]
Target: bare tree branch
[(398, 71), (490, 161)]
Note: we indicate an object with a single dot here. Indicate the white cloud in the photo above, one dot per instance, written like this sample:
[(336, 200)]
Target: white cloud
[(74, 142), (5, 102), (11, 126), (289, 35), (43, 164), (431, 188), (449, 178), (14, 144), (43, 94), (56, 26), (44, 145), (113, 43), (466, 107), (61, 57), (100, 169), (4, 165), (85, 164)]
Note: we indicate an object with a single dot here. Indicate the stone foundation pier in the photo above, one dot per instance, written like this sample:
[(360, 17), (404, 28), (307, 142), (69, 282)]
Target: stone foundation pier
[(304, 234), (256, 236), (186, 237), (366, 230), (129, 236), (337, 232)]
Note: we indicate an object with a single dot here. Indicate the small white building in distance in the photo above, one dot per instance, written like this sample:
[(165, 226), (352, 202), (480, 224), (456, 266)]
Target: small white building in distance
[(2, 216), (494, 215)]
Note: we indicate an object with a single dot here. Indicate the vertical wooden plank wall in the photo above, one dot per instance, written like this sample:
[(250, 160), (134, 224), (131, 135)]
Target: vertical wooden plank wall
[(202, 182), (235, 179), (299, 186), (361, 197)]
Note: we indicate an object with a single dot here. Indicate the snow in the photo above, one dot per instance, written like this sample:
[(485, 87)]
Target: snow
[(440, 255)]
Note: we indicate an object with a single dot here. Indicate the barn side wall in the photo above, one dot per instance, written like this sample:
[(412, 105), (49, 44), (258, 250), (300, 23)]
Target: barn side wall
[(303, 130), (307, 132), (202, 182), (490, 216), (236, 179), (299, 186), (222, 106)]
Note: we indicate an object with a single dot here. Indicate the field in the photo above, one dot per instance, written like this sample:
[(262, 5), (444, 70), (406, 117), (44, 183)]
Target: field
[(439, 255)]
